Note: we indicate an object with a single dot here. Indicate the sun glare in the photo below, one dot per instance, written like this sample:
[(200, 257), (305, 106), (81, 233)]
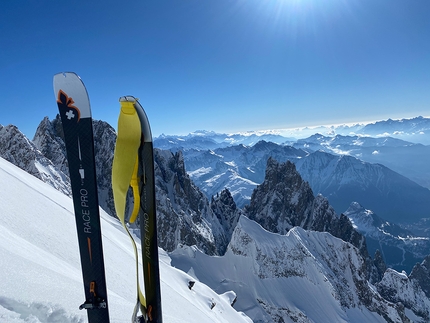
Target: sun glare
[(306, 17)]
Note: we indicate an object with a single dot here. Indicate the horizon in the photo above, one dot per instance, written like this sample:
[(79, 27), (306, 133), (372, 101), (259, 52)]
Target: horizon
[(228, 66), (265, 131)]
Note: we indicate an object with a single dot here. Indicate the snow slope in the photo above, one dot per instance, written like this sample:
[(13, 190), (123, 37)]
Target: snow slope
[(303, 276), (40, 276)]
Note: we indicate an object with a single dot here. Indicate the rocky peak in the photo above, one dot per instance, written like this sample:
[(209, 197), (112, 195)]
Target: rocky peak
[(421, 273), (16, 148), (263, 145), (284, 200), (184, 211), (379, 263), (184, 188), (304, 256), (227, 213), (398, 288), (49, 139), (104, 146)]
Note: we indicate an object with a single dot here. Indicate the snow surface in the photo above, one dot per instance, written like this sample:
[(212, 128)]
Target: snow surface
[(292, 275), (40, 276)]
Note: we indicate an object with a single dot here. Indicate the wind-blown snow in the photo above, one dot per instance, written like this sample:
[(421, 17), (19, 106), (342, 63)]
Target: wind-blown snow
[(295, 277), (40, 275)]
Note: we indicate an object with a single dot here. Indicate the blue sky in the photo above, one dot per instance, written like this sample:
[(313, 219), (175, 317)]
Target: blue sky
[(222, 65)]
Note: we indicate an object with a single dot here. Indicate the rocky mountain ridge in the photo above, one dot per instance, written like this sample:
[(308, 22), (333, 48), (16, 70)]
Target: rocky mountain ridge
[(414, 129), (303, 276), (20, 151)]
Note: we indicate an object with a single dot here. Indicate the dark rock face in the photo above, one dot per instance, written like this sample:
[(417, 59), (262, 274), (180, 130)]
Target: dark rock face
[(409, 292), (104, 146), (421, 274), (227, 213), (49, 139), (284, 200), (380, 265), (181, 207), (16, 148)]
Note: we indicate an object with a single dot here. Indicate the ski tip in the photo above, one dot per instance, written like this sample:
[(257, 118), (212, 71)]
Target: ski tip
[(128, 98), (66, 75), (72, 86), (146, 129)]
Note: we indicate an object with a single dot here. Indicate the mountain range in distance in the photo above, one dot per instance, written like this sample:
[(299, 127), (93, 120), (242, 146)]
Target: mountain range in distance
[(414, 130), (344, 164), (401, 145)]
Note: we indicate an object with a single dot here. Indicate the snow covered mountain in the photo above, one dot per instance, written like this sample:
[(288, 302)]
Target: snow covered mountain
[(20, 151), (414, 129), (399, 247), (303, 276), (40, 270), (210, 140), (411, 291), (406, 158), (273, 276), (342, 179), (239, 168), (380, 142)]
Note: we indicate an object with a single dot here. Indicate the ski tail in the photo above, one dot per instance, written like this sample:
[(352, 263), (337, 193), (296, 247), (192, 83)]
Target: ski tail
[(133, 166), (74, 108)]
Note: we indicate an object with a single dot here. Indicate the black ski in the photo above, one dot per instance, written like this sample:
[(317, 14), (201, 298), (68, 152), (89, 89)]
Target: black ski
[(134, 142), (148, 219), (74, 108)]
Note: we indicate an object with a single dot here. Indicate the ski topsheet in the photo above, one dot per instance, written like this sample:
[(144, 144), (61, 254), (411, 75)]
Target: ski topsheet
[(148, 219), (133, 165), (74, 108)]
